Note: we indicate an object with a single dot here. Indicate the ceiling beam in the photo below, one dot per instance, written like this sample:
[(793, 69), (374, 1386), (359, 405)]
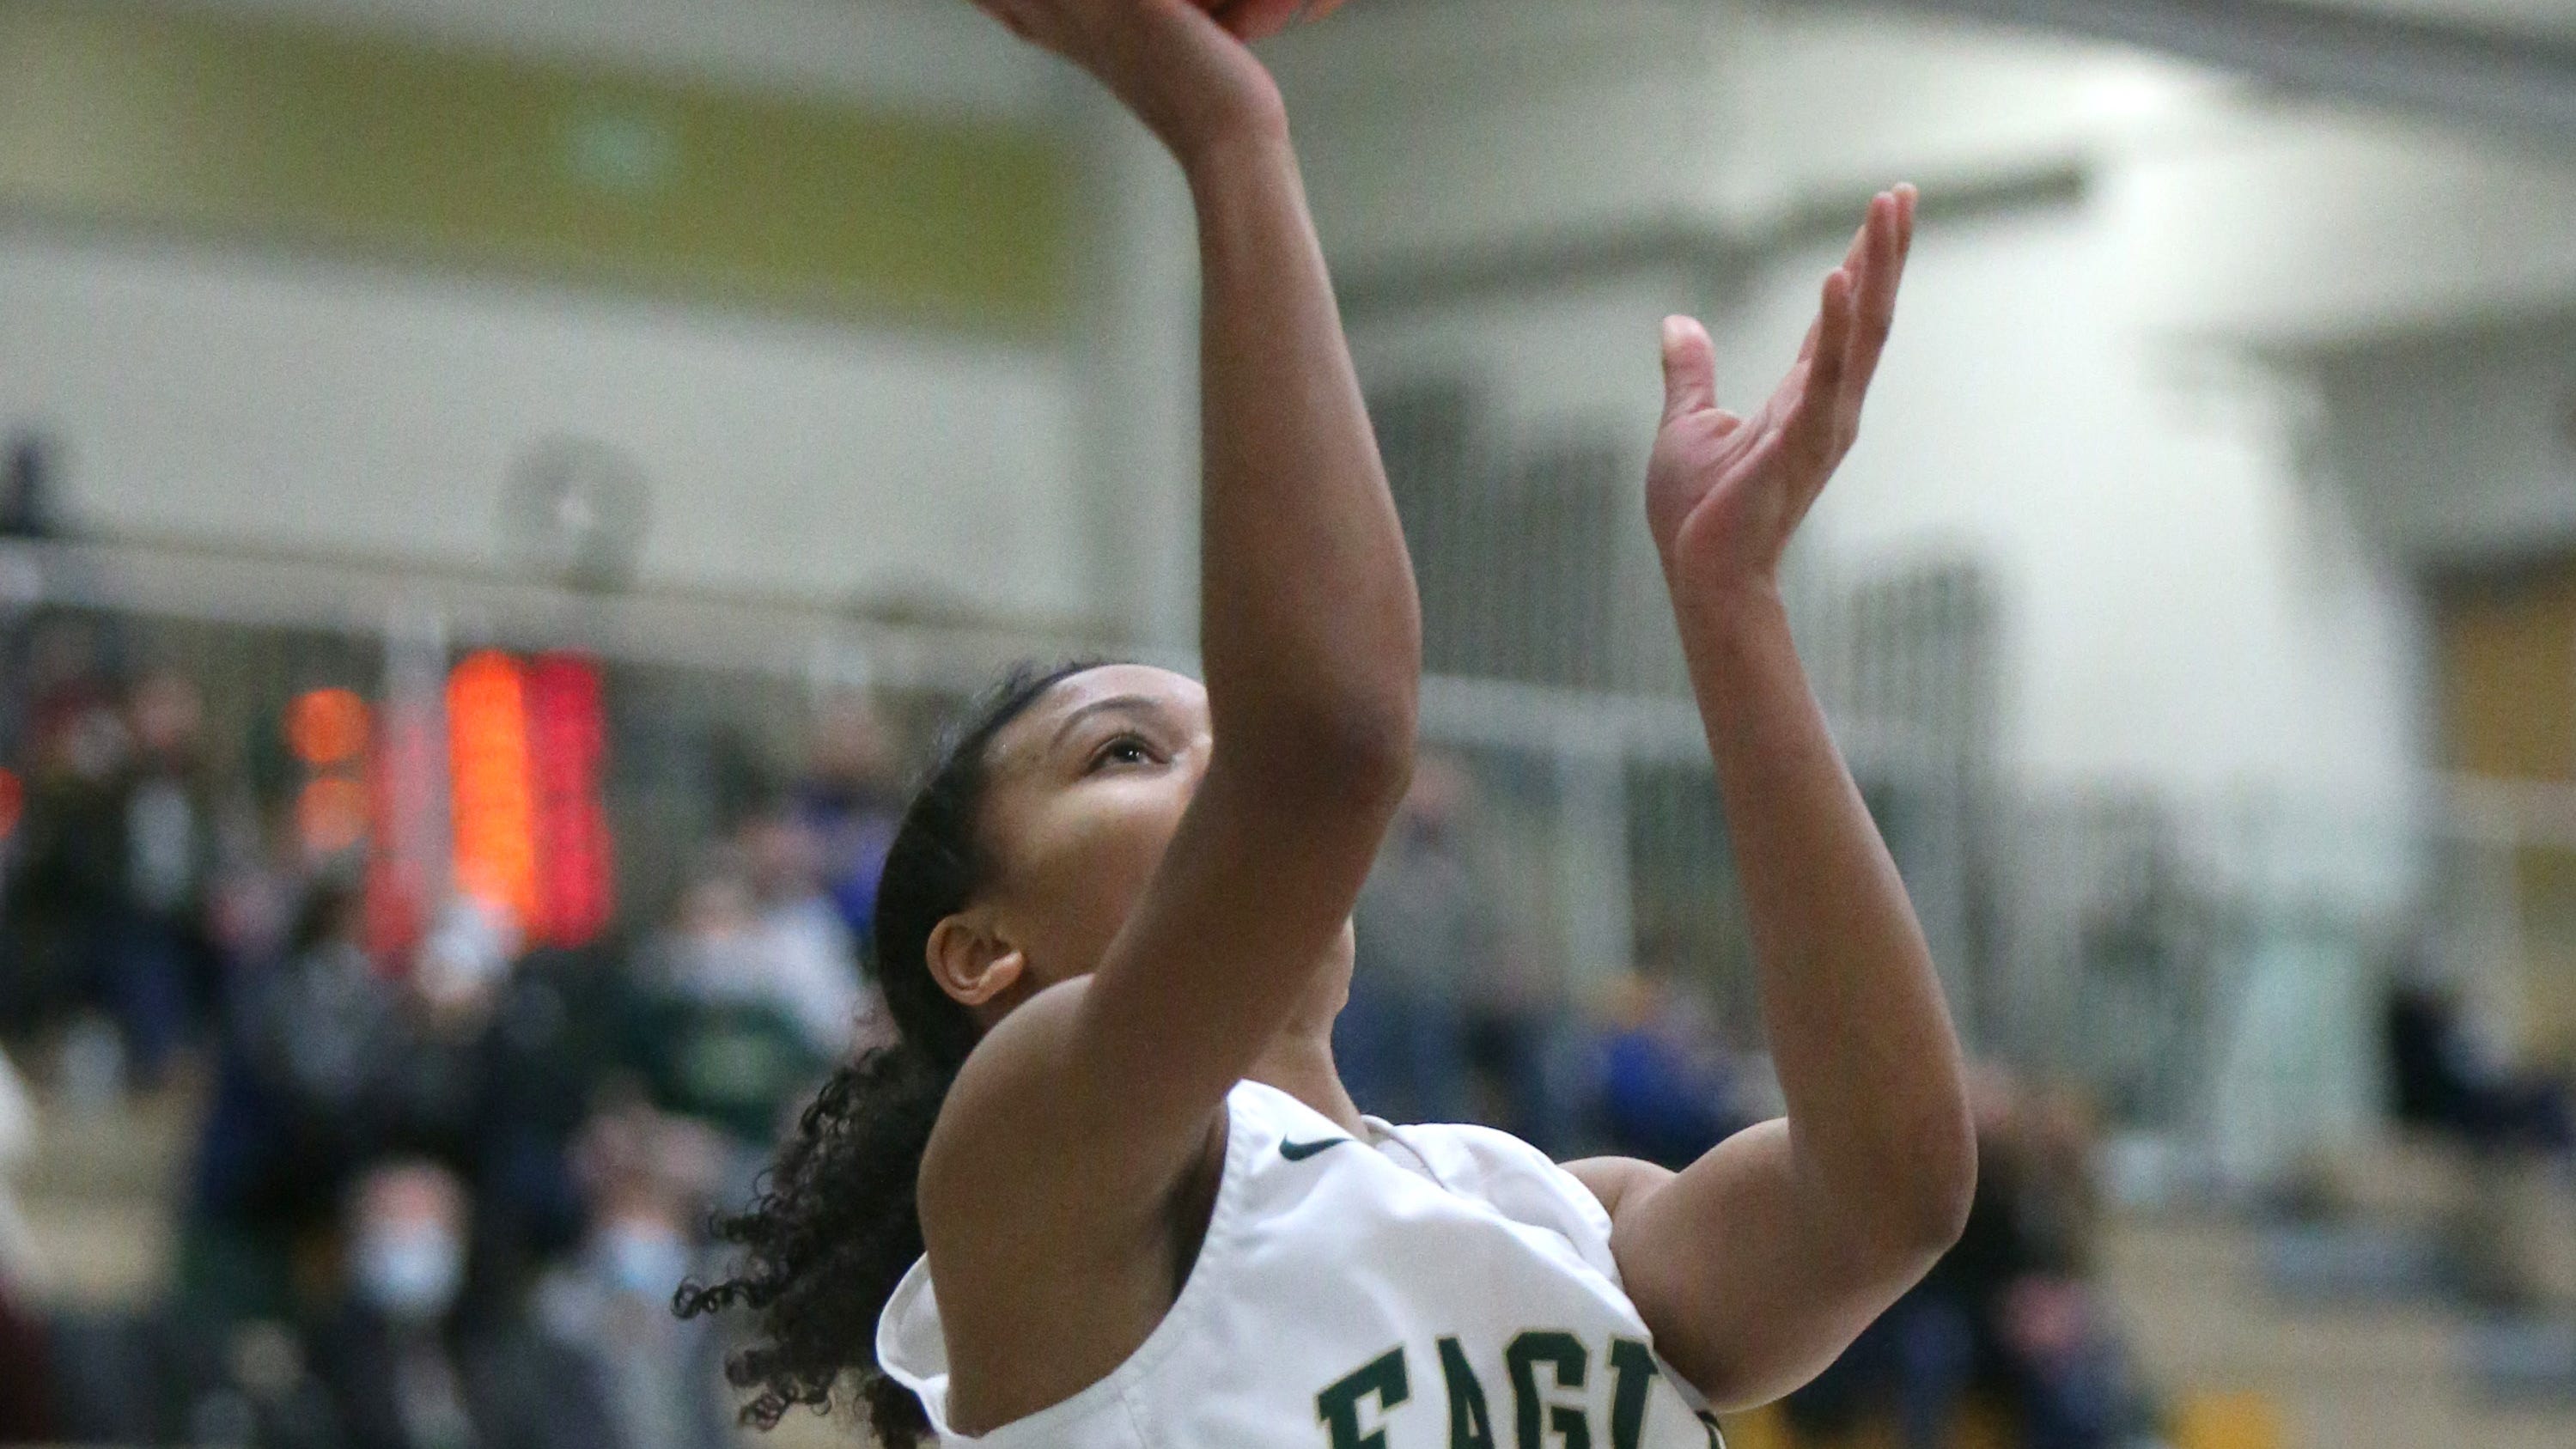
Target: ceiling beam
[(2485, 77)]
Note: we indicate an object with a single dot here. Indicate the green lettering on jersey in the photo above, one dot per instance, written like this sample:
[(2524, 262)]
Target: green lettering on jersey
[(1383, 1379), (1470, 1426), (1633, 1365), (1572, 1361)]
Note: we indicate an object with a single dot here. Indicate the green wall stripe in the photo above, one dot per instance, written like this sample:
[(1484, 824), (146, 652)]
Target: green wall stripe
[(459, 157)]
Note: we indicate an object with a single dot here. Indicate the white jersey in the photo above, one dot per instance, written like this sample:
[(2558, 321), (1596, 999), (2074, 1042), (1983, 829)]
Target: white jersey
[(1432, 1288)]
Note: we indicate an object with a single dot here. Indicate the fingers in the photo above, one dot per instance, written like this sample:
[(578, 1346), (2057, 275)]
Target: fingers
[(1908, 200), (1813, 429), (1884, 243), (1690, 368)]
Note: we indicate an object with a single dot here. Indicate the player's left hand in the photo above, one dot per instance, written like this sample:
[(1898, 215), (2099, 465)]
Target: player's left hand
[(1724, 493)]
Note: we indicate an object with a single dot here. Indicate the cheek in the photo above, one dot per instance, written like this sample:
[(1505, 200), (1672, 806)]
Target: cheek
[(1091, 857)]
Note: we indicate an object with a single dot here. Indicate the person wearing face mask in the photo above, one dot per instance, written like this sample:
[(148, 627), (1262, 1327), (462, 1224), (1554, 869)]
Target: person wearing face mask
[(406, 1370), (659, 1378)]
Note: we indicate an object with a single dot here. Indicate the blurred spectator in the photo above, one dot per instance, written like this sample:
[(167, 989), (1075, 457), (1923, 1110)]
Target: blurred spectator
[(1425, 935), (1665, 1093), (69, 675), (796, 929), (852, 801), (722, 1029), (2446, 1076), (109, 900), (26, 511), (256, 892), (305, 1089), (2009, 1314), (69, 857), (403, 1369), (155, 964), (553, 1050), (660, 1378), (250, 1383)]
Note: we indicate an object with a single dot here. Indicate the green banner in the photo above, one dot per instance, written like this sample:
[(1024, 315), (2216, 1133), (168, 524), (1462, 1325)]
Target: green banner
[(270, 131)]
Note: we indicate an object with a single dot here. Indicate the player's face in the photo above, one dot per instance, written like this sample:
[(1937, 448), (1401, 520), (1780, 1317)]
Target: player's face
[(1087, 788), (1086, 791)]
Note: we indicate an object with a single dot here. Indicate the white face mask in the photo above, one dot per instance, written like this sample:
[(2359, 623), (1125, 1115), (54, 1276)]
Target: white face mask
[(643, 1260), (410, 1273)]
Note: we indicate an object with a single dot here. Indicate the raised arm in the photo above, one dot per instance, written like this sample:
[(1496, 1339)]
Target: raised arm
[(1762, 1261), (1311, 645), (1310, 639)]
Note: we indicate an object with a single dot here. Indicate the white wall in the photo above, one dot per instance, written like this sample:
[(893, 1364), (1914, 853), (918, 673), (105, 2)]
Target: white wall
[(1448, 124), (2074, 397), (2186, 609), (253, 399), (2309, 226), (2459, 448), (1828, 106), (238, 396)]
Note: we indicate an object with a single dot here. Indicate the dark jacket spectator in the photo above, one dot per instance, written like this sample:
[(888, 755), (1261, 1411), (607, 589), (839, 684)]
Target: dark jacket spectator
[(660, 1378), (402, 1368)]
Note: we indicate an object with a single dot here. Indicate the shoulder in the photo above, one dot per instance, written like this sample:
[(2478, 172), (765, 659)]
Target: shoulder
[(1617, 1180), (1008, 1103), (1034, 1117)]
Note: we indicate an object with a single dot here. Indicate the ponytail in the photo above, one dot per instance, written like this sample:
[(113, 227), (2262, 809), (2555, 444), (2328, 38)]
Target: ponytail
[(836, 1225)]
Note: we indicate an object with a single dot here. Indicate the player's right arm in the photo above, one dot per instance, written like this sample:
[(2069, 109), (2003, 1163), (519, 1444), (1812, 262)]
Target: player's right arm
[(1310, 635)]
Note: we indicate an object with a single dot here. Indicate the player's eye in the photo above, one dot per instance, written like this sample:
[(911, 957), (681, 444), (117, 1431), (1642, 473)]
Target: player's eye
[(1120, 750)]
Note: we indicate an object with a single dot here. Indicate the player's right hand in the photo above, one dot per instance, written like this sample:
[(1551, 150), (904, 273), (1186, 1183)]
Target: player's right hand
[(1175, 63)]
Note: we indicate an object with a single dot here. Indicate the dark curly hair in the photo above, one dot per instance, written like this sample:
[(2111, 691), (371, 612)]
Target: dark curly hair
[(835, 1225)]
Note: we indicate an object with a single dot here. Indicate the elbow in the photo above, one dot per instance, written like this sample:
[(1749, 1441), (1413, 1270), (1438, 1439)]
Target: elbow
[(1941, 1191), (1914, 1209), (1946, 1217), (1349, 749), (1361, 752)]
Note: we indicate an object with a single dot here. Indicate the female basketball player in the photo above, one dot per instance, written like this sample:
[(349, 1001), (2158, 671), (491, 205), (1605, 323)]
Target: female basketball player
[(1114, 932)]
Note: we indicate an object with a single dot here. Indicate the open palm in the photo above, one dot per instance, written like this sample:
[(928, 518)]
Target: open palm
[(1723, 492)]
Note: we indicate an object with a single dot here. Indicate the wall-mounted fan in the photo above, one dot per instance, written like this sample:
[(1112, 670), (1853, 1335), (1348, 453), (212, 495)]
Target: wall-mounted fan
[(575, 512)]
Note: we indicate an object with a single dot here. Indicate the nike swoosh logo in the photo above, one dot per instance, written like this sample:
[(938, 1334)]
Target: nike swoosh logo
[(1300, 1151)]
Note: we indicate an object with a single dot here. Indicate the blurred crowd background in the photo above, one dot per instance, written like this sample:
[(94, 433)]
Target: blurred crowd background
[(498, 496)]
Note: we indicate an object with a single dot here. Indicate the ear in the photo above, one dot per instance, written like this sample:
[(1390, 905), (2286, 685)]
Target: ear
[(971, 963)]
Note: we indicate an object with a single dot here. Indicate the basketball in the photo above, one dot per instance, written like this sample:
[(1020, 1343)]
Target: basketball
[(1260, 19)]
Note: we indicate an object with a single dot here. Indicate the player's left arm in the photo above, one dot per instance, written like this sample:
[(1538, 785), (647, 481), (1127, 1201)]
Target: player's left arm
[(1759, 1263)]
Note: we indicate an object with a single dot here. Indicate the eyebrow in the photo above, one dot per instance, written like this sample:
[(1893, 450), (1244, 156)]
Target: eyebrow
[(1113, 704)]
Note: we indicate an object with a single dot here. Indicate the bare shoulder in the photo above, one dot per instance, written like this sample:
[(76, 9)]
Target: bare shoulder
[(1618, 1180), (1010, 1101), (1039, 1225), (1037, 1116)]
